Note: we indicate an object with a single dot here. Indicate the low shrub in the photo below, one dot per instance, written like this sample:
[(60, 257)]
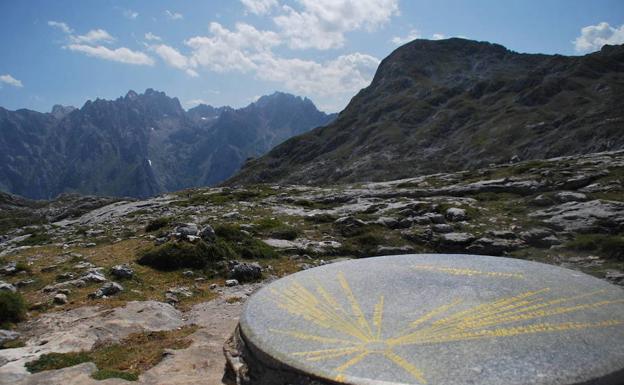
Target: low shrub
[(610, 246), (53, 361), (12, 307), (180, 255), (157, 224)]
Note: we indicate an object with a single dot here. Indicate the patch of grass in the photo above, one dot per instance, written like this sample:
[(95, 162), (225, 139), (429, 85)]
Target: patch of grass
[(53, 361), (180, 255), (12, 307), (126, 360), (320, 218), (37, 237), (243, 243), (157, 224), (610, 246), (107, 373), (275, 228)]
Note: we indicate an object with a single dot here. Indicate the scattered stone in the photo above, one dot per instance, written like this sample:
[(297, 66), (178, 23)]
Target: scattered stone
[(231, 282), (183, 291), (213, 286), (570, 196), (65, 276), (9, 269), (538, 237), (90, 244), (122, 271), (442, 228), (188, 273), (8, 336), (493, 246), (208, 234), (454, 241), (60, 299), (187, 229), (5, 286), (349, 226), (614, 276), (108, 289), (504, 234), (542, 200), (246, 272), (389, 222), (394, 250), (456, 214), (84, 265), (25, 282)]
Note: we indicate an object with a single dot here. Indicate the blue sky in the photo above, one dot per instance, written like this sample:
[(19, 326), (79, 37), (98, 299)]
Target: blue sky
[(231, 52)]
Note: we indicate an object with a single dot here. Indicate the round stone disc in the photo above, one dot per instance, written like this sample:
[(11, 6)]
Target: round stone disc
[(441, 319)]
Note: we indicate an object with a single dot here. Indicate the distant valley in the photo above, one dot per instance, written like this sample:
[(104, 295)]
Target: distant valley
[(141, 145)]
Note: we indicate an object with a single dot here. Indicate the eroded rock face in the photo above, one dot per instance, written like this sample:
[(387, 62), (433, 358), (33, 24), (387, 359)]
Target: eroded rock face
[(585, 217), (81, 328)]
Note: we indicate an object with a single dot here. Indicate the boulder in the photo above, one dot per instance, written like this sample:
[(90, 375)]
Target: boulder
[(186, 229), (60, 299), (108, 289), (570, 196), (231, 282), (208, 234), (8, 336), (5, 286), (122, 271), (456, 214), (245, 272)]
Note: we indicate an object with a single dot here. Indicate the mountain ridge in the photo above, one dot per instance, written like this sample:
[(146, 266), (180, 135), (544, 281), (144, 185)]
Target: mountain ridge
[(140, 145), (452, 104)]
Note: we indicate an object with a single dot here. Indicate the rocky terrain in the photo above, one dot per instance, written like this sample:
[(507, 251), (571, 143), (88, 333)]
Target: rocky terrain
[(141, 144), (148, 290), (456, 104)]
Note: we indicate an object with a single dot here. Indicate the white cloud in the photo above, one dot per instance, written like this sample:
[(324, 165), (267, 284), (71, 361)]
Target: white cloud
[(121, 55), (259, 7), (228, 50), (60, 25), (150, 36), (10, 80), (345, 74), (593, 37), (92, 37), (174, 58), (412, 34), (173, 15), (321, 24), (438, 36), (130, 14)]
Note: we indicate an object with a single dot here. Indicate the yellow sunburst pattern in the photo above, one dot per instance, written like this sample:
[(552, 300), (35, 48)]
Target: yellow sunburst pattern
[(358, 339), (467, 272)]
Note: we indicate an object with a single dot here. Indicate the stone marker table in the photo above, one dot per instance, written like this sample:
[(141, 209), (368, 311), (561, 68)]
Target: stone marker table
[(432, 319)]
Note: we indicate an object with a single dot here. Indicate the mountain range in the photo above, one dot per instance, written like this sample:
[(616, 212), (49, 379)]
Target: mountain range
[(447, 105), (140, 145)]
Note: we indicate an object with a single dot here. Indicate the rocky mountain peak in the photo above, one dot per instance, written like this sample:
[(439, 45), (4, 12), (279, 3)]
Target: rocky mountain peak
[(60, 111)]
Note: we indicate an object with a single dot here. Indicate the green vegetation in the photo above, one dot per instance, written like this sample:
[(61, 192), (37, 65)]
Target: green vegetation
[(179, 255), (37, 237), (53, 361), (275, 228), (243, 244), (126, 360), (12, 308), (610, 246), (157, 224)]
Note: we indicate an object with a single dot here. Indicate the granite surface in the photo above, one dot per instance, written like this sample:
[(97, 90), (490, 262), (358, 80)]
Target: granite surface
[(441, 319)]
